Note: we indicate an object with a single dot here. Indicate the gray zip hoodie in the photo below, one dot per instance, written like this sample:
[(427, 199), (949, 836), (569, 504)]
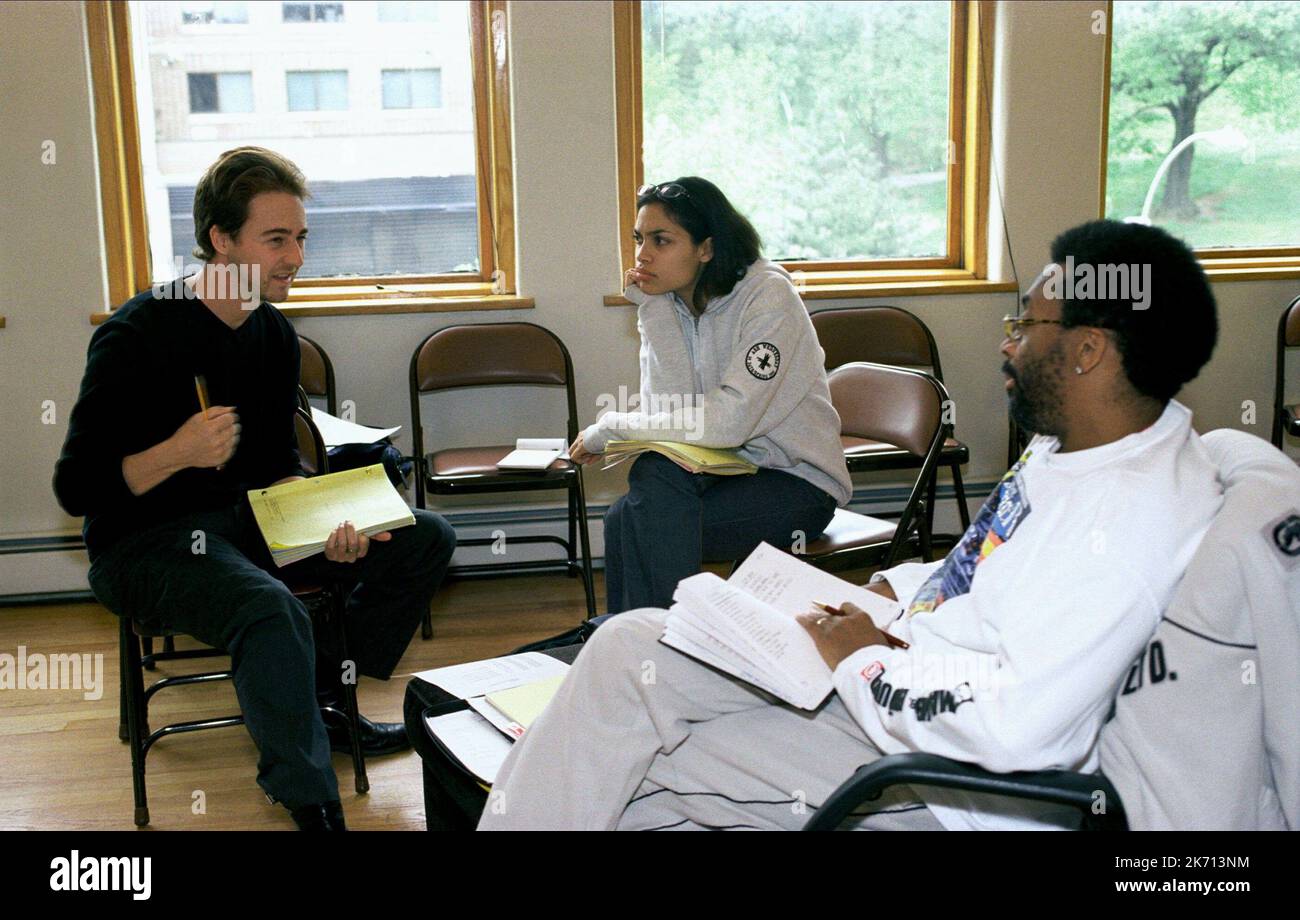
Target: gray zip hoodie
[(746, 374)]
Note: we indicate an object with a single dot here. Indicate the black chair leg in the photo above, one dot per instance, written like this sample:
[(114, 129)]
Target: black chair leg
[(426, 625), (137, 722), (926, 515), (149, 663), (923, 528), (960, 489), (572, 545), (123, 728), (581, 516), (336, 616)]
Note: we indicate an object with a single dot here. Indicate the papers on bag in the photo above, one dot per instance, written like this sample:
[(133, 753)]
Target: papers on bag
[(534, 454), (335, 431), (296, 518), (690, 457), (477, 678), (746, 625), (477, 746), (494, 717), (522, 705)]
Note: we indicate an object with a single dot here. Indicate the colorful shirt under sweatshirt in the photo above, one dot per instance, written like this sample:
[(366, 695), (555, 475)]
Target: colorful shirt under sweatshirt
[(1019, 638)]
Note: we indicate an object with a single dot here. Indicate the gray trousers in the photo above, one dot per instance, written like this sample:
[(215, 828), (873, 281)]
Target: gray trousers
[(642, 737)]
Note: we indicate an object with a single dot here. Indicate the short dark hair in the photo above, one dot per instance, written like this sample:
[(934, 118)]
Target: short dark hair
[(1166, 344), (704, 212), (222, 195)]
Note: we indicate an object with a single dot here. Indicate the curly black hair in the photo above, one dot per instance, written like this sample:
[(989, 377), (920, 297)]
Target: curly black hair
[(1166, 343), (704, 212)]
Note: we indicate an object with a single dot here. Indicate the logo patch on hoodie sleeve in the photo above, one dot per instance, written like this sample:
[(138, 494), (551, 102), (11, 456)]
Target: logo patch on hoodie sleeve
[(763, 360), (1284, 533)]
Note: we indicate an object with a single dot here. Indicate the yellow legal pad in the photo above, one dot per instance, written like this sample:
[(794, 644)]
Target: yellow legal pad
[(690, 457), (524, 704), (296, 518)]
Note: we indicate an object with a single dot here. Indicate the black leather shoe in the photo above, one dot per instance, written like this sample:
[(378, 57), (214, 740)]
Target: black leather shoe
[(377, 738), (320, 817)]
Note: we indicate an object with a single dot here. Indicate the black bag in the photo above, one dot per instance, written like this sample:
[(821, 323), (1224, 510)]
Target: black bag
[(355, 456), (576, 636)]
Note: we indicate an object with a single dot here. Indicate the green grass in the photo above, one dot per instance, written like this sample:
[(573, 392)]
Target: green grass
[(1241, 204)]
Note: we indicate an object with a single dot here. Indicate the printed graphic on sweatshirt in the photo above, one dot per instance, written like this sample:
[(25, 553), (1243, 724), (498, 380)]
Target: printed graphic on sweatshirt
[(763, 360), (1284, 534), (997, 520), (894, 699)]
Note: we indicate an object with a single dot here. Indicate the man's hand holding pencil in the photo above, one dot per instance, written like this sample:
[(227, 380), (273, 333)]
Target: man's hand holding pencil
[(839, 632), (208, 439)]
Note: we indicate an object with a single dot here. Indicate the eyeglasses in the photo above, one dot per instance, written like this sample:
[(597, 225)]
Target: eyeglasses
[(1011, 325), (667, 191)]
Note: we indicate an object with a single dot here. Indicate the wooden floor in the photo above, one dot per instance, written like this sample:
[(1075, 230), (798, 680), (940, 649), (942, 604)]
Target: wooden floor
[(64, 767)]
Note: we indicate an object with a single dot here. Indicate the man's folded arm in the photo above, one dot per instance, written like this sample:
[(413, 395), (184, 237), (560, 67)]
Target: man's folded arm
[(741, 408)]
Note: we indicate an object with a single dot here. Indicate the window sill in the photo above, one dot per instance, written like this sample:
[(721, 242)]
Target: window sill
[(1269, 269), (883, 288), (372, 305)]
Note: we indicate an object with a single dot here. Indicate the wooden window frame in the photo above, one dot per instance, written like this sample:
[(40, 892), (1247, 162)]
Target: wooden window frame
[(965, 268), (1221, 263), (122, 197)]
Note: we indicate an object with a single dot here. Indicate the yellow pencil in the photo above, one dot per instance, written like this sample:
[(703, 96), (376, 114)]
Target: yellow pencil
[(202, 386)]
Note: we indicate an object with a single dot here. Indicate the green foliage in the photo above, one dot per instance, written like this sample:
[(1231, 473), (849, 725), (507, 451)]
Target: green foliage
[(826, 123), (1180, 68)]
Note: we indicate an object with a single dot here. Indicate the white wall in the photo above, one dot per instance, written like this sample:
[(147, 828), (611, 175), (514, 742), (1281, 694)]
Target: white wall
[(1047, 129)]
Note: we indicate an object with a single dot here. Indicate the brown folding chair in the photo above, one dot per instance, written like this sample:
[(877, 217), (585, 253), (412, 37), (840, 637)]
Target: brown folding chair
[(316, 374), (880, 403), (1286, 419), (499, 354), (325, 603), (889, 335)]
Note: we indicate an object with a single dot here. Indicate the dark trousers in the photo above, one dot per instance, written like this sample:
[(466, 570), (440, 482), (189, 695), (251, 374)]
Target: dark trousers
[(229, 597), (672, 521)]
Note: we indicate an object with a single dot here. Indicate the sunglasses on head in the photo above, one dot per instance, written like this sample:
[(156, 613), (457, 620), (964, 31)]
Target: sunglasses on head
[(666, 190)]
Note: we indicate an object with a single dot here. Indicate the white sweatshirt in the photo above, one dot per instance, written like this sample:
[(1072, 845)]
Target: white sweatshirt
[(747, 373), (1019, 639)]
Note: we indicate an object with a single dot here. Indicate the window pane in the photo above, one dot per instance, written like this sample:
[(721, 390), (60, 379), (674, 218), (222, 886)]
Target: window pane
[(301, 88), (826, 123), (407, 11), (328, 12), (393, 192), (332, 90), (426, 89), (235, 92), (1204, 103), (397, 89), (297, 12), (203, 92), (230, 11), (197, 13)]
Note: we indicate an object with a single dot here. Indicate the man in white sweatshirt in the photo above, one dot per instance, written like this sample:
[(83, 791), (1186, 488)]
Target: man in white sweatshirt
[(1018, 639)]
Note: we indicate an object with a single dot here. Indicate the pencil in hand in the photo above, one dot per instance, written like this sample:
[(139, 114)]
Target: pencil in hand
[(892, 641), (201, 385)]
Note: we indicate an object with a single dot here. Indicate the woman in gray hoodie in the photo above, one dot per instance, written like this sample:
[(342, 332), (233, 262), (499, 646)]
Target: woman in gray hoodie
[(729, 359)]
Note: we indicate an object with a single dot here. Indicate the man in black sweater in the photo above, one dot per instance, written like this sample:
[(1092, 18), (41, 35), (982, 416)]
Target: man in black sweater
[(163, 485)]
